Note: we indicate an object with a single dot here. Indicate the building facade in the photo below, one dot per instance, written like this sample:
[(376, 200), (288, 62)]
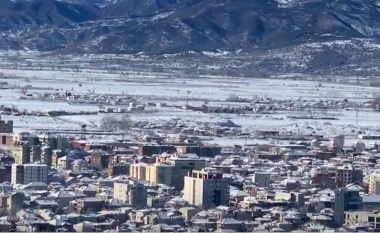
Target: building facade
[(346, 175), (6, 126), (131, 192), (346, 199), (160, 173), (138, 171), (206, 189), (17, 174), (183, 165), (35, 172), (261, 179)]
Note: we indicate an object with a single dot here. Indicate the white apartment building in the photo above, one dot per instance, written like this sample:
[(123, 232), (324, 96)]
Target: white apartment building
[(206, 189), (17, 174)]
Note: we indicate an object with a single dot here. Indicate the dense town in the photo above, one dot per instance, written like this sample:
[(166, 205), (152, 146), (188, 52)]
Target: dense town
[(53, 182)]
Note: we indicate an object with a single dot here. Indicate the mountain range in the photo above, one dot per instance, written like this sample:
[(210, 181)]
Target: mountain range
[(177, 26)]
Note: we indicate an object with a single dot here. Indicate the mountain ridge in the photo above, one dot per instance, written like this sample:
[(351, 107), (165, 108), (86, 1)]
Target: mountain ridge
[(177, 26)]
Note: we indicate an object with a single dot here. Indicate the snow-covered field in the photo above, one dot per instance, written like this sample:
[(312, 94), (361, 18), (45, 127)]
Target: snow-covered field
[(100, 80), (206, 87)]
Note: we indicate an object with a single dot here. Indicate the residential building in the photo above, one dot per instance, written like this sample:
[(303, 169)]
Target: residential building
[(17, 174), (183, 165), (160, 173), (138, 171), (35, 153), (346, 174), (151, 149), (363, 217), (6, 139), (88, 203), (138, 196), (206, 189), (99, 159), (131, 192), (261, 179), (63, 198), (35, 172), (373, 179), (6, 126), (119, 169), (6, 173), (46, 155), (116, 167), (346, 199), (15, 202), (21, 152)]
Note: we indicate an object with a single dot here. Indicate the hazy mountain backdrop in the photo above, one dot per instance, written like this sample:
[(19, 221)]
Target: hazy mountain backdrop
[(174, 26)]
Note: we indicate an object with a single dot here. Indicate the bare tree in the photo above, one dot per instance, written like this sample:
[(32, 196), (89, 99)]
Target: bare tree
[(263, 74), (303, 209), (108, 123), (112, 123), (320, 206), (376, 103)]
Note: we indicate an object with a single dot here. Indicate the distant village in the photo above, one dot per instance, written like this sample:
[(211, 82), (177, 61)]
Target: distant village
[(54, 182)]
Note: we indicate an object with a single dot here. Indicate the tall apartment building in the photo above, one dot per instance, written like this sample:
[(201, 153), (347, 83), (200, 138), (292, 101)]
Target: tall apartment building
[(261, 179), (116, 168), (138, 171), (206, 189), (21, 152), (6, 131), (27, 173), (346, 174), (6, 126), (132, 192), (183, 165), (374, 178), (35, 172), (47, 155), (17, 174), (346, 199), (160, 173), (35, 153)]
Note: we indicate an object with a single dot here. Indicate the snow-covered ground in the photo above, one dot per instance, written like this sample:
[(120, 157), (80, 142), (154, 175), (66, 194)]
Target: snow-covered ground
[(100, 80), (207, 87)]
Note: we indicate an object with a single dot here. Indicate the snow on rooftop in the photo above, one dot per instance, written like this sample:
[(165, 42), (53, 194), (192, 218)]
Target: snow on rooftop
[(184, 156), (226, 123), (35, 165)]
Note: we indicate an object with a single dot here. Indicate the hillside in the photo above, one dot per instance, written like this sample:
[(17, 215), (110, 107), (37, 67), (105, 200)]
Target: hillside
[(177, 26)]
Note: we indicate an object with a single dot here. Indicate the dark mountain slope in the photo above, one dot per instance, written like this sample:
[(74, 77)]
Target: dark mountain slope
[(233, 24), (126, 8), (15, 15), (173, 26)]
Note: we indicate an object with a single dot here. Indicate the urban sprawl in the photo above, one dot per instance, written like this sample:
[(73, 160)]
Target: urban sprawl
[(298, 165)]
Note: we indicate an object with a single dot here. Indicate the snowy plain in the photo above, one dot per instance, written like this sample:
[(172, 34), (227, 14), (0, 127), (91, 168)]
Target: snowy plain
[(38, 73)]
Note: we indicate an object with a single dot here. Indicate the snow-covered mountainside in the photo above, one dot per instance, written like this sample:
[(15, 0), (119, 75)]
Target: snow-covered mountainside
[(178, 26)]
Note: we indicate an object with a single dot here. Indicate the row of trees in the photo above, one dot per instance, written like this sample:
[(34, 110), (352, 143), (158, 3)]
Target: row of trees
[(376, 104), (112, 124)]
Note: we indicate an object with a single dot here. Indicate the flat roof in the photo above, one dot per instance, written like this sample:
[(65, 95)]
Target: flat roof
[(35, 165)]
